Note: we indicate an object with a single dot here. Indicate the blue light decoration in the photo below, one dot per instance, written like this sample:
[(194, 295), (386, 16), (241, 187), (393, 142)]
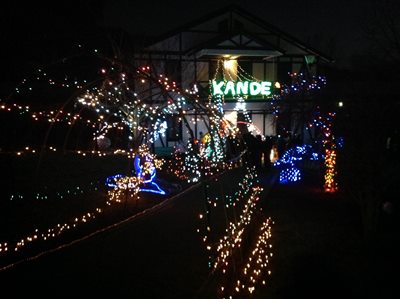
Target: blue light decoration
[(147, 177), (340, 142), (301, 83), (289, 172)]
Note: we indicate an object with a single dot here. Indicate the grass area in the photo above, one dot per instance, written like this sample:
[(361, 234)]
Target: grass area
[(51, 172), (319, 249), (42, 191), (317, 239)]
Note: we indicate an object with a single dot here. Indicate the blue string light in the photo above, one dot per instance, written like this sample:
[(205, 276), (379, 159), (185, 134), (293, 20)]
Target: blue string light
[(148, 185), (157, 189), (291, 174), (287, 164)]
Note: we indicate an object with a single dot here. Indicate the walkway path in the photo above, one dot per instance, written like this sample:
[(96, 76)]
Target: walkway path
[(157, 256), (318, 253)]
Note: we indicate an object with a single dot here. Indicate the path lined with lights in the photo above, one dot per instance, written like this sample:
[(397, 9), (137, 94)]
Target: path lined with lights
[(239, 256), (140, 247), (53, 233), (142, 255)]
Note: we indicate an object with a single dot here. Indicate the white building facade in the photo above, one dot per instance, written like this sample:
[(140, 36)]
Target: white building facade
[(232, 45)]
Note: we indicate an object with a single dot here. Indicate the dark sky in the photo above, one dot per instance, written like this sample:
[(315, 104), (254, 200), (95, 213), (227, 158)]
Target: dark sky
[(46, 30), (335, 27)]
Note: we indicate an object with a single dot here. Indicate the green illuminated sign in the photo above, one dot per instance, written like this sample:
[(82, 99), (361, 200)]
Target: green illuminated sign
[(241, 88)]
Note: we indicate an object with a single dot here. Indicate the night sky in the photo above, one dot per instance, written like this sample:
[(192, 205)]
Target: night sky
[(334, 27), (40, 33)]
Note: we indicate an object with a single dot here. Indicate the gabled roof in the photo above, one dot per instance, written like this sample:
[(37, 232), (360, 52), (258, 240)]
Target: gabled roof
[(205, 33), (236, 43)]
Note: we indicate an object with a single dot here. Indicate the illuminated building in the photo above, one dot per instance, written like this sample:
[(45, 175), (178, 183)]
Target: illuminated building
[(236, 58)]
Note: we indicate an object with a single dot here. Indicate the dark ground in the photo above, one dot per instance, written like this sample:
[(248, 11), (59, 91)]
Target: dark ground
[(320, 251), (317, 240)]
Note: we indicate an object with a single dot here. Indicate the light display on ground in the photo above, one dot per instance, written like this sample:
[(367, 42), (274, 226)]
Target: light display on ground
[(49, 233), (288, 164), (291, 174), (67, 194), (224, 251), (256, 265), (144, 171)]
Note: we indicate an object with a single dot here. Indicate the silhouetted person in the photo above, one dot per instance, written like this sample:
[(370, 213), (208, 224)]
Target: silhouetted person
[(266, 150), (253, 149), (258, 150), (280, 144)]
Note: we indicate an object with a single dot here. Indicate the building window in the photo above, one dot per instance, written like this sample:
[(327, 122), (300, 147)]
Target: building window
[(258, 71), (202, 71), (246, 67), (215, 71)]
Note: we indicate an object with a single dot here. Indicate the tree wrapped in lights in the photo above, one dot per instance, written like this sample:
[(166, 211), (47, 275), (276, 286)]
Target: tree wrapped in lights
[(133, 103), (141, 101), (217, 141), (300, 94), (191, 166), (136, 101), (177, 167), (296, 98), (329, 147), (302, 84)]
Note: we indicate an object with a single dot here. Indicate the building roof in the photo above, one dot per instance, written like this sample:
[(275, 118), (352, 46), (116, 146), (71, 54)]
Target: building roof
[(232, 28)]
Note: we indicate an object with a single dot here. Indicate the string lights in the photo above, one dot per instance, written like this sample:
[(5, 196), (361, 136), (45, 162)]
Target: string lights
[(288, 164), (256, 266), (49, 233), (325, 124), (145, 165), (139, 101), (302, 84), (225, 251)]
